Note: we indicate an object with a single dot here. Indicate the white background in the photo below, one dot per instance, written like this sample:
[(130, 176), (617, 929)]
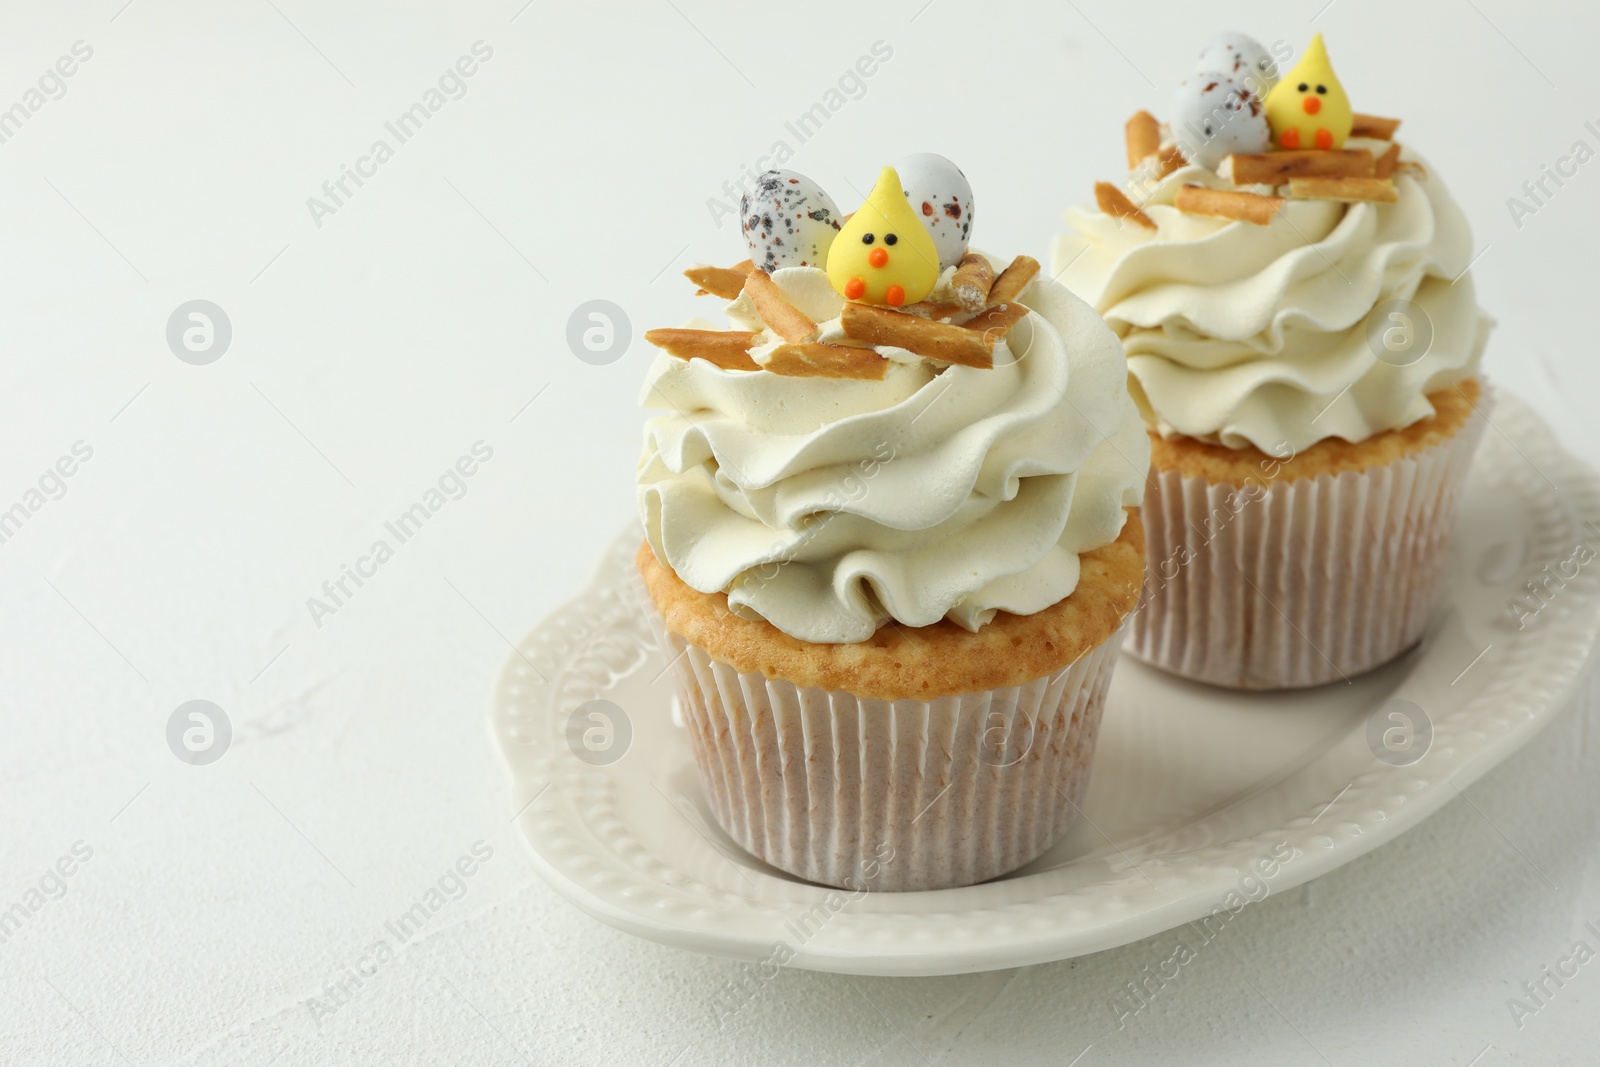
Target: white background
[(371, 351)]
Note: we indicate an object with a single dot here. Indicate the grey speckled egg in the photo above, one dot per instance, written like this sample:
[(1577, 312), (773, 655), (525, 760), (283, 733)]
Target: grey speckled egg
[(1242, 59), (788, 221), (942, 199), (1214, 116)]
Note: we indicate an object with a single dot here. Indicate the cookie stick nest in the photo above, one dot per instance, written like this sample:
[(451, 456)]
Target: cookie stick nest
[(1373, 126), (1005, 290), (932, 340), (1228, 204), (780, 316), (1275, 168), (1114, 201), (1168, 160), (1350, 190), (1013, 280), (972, 281), (927, 309), (1387, 162), (726, 282), (816, 360), (728, 349), (1143, 136), (995, 321)]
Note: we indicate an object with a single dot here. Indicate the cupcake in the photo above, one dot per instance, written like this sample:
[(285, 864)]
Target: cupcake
[(1290, 284), (892, 538)]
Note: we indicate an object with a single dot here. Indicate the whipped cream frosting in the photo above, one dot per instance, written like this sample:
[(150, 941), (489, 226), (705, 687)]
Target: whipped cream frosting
[(832, 507), (1240, 334)]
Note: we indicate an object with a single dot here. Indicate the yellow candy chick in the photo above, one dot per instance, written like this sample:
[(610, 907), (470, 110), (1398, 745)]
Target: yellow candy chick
[(883, 255), (1308, 108)]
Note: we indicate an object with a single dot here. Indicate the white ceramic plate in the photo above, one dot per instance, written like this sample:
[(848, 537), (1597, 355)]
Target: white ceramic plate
[(1201, 798)]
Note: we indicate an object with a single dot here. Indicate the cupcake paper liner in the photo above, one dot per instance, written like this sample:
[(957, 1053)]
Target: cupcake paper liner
[(1312, 581), (891, 794)]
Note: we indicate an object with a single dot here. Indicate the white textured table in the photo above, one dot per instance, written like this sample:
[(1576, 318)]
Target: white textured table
[(342, 885)]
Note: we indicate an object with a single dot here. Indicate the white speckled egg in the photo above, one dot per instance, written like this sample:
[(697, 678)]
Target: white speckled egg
[(941, 198), (788, 221), (1214, 116), (1242, 59)]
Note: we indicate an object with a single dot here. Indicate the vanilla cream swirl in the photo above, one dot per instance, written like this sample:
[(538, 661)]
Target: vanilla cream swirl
[(831, 507), (1271, 335)]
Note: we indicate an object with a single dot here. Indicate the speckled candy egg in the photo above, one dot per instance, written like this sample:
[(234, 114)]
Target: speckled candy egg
[(1242, 59), (1214, 116), (941, 198), (788, 221)]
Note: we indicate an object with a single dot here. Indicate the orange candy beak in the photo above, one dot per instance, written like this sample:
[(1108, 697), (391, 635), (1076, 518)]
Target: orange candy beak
[(1311, 104), (877, 257)]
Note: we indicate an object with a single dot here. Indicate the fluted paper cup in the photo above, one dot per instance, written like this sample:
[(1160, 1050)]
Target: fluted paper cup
[(892, 794), (1310, 581)]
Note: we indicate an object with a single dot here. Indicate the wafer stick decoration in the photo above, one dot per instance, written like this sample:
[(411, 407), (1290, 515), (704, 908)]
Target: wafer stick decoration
[(933, 340), (781, 317), (728, 349), (1373, 126), (995, 322), (972, 281), (1114, 201), (1228, 204), (827, 361), (1013, 280), (1380, 190), (1275, 168), (926, 309), (1143, 137), (725, 282), (1169, 159), (1386, 163)]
